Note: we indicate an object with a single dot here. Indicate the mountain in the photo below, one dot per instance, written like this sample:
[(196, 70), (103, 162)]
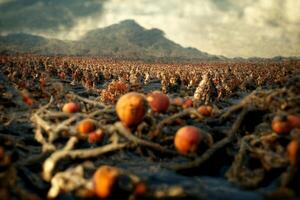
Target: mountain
[(126, 39), (25, 43)]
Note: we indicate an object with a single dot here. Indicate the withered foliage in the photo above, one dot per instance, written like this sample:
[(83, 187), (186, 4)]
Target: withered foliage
[(43, 155)]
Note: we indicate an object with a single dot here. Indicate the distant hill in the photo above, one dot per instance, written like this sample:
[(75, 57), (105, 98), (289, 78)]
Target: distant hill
[(25, 43), (126, 39)]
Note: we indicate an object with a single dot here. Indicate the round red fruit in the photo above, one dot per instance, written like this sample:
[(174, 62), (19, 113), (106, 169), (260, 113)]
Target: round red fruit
[(131, 108), (158, 101), (71, 107), (187, 139)]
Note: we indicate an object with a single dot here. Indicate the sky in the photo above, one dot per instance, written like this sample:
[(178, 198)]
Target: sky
[(233, 28)]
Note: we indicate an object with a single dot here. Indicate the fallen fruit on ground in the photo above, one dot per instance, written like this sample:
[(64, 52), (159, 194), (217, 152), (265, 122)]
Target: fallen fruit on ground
[(140, 188), (292, 151), (187, 139), (131, 108), (85, 126), (294, 121), (46, 157), (178, 101), (205, 110), (158, 101), (2, 152), (104, 180), (187, 103), (280, 125), (95, 136), (70, 107)]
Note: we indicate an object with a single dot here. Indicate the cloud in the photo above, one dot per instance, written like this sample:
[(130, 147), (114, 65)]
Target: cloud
[(232, 28), (48, 16), (228, 27)]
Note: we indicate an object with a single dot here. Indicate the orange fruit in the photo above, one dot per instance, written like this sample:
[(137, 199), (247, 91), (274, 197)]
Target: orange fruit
[(205, 110), (2, 153), (178, 101), (27, 100), (104, 180), (294, 121), (187, 103), (292, 151), (158, 101), (187, 139), (131, 108), (95, 136), (70, 107), (140, 188), (280, 125), (85, 126)]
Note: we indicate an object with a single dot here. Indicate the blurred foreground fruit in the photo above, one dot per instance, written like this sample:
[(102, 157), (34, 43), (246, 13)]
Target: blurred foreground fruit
[(95, 136), (131, 108), (26, 98), (42, 82), (2, 152), (104, 180), (187, 139), (85, 126), (292, 150), (205, 110), (280, 125), (140, 188), (294, 121), (71, 107), (187, 103), (4, 193), (158, 101), (62, 75), (178, 101)]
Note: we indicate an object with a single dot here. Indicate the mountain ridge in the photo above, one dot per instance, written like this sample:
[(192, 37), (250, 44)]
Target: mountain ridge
[(125, 39)]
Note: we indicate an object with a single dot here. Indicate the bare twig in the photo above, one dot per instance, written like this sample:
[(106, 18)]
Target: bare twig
[(170, 119), (69, 181), (41, 109), (127, 134), (40, 138), (50, 163), (38, 120), (94, 103)]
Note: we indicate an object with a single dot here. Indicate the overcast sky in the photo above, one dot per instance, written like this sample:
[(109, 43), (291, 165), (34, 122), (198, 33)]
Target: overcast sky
[(232, 28)]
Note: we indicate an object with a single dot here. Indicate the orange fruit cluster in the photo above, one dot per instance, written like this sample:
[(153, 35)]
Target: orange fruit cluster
[(284, 124)]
